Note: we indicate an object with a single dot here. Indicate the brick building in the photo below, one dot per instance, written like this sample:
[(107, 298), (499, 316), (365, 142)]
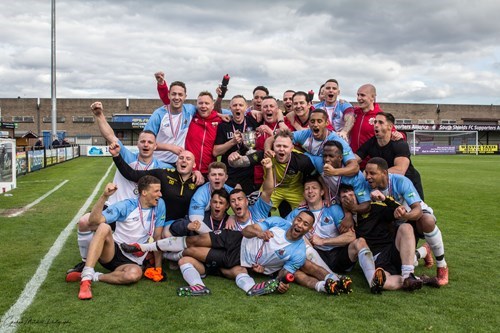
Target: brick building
[(76, 122)]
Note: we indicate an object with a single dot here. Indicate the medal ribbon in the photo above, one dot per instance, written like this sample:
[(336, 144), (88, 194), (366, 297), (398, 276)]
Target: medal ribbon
[(284, 174), (152, 224), (244, 128), (259, 253), (170, 118)]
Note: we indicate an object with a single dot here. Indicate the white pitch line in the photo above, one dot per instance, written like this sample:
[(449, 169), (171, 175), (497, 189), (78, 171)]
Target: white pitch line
[(12, 318), (28, 206)]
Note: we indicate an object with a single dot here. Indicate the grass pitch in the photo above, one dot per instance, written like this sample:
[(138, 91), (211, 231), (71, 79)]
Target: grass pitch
[(463, 190)]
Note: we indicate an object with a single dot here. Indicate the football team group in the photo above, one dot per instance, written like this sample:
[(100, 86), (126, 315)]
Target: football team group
[(313, 190)]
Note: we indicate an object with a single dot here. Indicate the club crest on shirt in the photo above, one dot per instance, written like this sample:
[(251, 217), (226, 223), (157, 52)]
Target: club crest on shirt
[(192, 186), (281, 253), (326, 221)]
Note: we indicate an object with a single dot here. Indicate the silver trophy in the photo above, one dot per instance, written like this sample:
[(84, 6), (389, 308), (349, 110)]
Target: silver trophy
[(249, 141)]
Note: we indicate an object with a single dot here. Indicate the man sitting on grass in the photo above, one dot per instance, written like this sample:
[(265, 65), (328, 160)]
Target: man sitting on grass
[(138, 220), (271, 246)]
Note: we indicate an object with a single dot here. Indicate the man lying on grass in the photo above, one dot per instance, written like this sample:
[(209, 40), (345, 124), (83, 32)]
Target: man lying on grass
[(138, 220), (271, 246)]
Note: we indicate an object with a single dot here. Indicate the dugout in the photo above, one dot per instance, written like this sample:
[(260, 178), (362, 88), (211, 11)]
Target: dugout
[(127, 127)]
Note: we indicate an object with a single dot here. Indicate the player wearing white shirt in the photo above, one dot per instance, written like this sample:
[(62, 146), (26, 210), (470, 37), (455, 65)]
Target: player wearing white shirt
[(170, 123), (272, 246), (138, 220), (329, 244), (339, 113), (142, 160), (191, 268)]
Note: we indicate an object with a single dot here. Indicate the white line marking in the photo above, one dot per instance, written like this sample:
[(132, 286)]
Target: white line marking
[(25, 208), (11, 318)]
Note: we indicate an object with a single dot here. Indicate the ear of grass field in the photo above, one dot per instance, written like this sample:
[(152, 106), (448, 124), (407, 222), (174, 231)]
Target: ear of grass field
[(463, 190)]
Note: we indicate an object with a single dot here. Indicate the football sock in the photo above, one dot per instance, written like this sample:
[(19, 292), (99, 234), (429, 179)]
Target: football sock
[(88, 273), (367, 263), (406, 270), (172, 256), (83, 239), (435, 241), (173, 244), (421, 252), (245, 281), (320, 287), (191, 275), (95, 277), (332, 276)]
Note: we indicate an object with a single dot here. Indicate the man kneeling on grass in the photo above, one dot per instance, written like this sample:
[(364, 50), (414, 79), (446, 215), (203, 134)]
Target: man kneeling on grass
[(266, 247), (138, 220)]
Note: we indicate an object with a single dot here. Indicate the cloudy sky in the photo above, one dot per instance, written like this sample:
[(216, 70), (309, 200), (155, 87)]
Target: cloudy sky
[(412, 51)]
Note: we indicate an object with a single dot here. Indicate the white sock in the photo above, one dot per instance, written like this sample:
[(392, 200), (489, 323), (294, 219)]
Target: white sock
[(95, 277), (406, 270), (172, 244), (314, 257), (204, 229), (332, 276), (83, 239), (422, 252), (320, 287), (435, 241), (245, 281), (365, 258), (172, 256), (191, 275), (88, 273)]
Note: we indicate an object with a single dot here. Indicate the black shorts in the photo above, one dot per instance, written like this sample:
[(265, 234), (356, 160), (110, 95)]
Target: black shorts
[(225, 251), (118, 260), (389, 259), (337, 259)]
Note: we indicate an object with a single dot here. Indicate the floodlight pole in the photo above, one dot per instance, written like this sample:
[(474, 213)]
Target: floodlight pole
[(53, 112)]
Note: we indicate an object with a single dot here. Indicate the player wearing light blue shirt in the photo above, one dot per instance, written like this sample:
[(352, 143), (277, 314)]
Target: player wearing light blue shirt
[(126, 188), (135, 223), (312, 141), (334, 107), (276, 253), (137, 220), (171, 128), (266, 247), (200, 202), (412, 209)]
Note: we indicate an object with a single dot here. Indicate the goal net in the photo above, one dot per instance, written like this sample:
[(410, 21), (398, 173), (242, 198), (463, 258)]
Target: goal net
[(442, 142)]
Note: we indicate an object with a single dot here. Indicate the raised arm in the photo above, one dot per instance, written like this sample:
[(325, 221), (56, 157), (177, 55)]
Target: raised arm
[(162, 87), (96, 216), (124, 168), (268, 184), (104, 127)]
